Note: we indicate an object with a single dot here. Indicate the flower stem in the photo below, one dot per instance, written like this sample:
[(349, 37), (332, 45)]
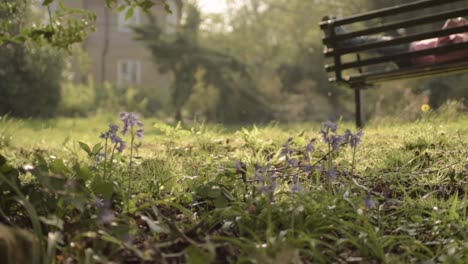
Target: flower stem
[(354, 160), (105, 159), (111, 161), (130, 169)]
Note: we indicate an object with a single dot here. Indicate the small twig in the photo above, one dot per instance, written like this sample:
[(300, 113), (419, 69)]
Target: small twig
[(435, 170), (173, 255), (424, 172), (176, 228), (50, 16), (168, 243)]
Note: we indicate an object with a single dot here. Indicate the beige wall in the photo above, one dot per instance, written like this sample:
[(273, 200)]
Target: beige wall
[(121, 46)]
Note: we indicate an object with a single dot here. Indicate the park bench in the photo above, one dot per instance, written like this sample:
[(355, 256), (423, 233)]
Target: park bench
[(359, 66)]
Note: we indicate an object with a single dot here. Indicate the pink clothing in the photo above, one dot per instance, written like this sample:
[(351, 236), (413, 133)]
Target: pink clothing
[(442, 41)]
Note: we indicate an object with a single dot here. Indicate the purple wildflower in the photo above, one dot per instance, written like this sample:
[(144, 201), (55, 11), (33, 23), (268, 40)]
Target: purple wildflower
[(106, 216), (286, 150), (329, 125), (296, 186), (128, 239), (369, 202), (271, 188), (70, 184), (309, 147), (112, 135), (387, 193), (100, 156), (355, 139), (318, 167), (140, 133), (240, 167), (97, 202), (292, 162), (113, 128), (105, 213), (332, 173), (258, 174), (347, 135), (267, 181), (336, 141), (120, 144), (307, 168), (131, 120), (109, 134)]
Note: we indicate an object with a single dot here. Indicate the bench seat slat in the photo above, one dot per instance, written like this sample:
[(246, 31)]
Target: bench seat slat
[(397, 41), (406, 55), (407, 73)]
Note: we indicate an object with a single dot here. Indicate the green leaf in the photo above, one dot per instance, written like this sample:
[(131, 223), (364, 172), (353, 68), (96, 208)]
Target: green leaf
[(453, 214), (85, 147), (61, 5), (110, 3), (146, 5), (106, 189), (82, 172), (221, 202), (52, 220), (58, 166), (129, 13), (167, 8), (34, 218), (156, 227), (96, 148), (131, 206), (47, 2), (209, 191), (197, 255), (3, 160), (121, 8)]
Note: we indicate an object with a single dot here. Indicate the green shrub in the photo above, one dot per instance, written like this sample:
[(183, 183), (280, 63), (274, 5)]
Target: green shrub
[(77, 99), (149, 101), (30, 85)]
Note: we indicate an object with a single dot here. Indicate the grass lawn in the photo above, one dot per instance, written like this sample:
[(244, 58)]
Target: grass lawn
[(208, 194)]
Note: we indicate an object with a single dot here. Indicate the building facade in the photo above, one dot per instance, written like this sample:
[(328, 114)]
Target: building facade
[(115, 56)]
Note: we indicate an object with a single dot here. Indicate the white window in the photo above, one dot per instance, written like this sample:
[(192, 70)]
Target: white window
[(125, 24), (128, 73)]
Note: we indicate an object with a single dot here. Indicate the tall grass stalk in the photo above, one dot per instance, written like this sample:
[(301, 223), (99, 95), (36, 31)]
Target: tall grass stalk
[(33, 216)]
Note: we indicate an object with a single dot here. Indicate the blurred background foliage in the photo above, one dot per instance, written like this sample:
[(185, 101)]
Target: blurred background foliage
[(260, 61)]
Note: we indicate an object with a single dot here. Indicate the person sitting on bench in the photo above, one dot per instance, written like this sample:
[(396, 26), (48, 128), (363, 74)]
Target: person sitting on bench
[(416, 45)]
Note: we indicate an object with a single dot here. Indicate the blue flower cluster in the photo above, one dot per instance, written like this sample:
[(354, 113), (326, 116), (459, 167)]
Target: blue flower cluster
[(266, 178), (111, 135), (330, 136), (130, 120), (294, 162)]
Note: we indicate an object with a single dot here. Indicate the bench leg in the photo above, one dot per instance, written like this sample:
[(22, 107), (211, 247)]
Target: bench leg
[(359, 100)]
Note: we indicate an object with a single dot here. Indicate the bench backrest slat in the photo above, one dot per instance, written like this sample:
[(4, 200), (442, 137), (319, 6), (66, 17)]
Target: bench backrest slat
[(400, 24), (388, 12)]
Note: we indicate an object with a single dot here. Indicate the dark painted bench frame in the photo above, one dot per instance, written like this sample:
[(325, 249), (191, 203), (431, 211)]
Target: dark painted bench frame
[(335, 48)]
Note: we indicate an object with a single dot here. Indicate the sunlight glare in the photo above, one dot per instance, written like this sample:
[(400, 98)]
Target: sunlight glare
[(212, 6)]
